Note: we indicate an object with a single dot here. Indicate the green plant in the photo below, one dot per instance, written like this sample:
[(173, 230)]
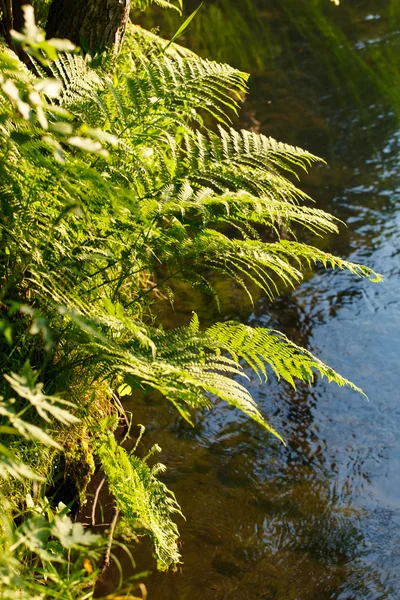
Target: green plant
[(116, 179), (144, 501), (48, 556)]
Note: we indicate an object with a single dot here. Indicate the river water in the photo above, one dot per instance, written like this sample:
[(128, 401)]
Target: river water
[(319, 519)]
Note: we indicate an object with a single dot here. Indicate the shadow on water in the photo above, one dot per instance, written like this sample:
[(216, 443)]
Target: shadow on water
[(320, 519)]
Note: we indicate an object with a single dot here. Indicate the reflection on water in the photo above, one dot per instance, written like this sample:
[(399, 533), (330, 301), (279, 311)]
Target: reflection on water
[(320, 519)]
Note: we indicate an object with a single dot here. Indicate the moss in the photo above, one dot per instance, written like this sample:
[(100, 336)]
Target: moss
[(79, 465)]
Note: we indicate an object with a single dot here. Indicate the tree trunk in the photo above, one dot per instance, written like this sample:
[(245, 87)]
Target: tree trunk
[(92, 24), (12, 17)]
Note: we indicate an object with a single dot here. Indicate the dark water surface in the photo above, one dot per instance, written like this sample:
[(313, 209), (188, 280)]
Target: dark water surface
[(319, 519)]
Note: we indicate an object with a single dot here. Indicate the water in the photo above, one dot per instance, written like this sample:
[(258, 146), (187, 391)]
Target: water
[(319, 519)]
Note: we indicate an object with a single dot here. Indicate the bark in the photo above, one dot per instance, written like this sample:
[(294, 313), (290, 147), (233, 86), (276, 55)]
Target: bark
[(12, 17), (93, 24)]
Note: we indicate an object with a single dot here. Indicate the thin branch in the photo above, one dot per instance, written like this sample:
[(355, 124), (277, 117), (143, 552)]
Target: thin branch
[(110, 541), (95, 500)]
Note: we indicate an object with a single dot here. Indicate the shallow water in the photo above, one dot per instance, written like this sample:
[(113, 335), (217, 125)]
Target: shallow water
[(319, 519)]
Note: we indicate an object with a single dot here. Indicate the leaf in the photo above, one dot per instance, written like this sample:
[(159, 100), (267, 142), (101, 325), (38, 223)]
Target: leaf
[(26, 387), (183, 27), (145, 502), (50, 87), (87, 144), (72, 535), (32, 432)]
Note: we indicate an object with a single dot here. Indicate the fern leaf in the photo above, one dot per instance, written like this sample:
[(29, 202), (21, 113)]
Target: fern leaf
[(287, 360), (145, 502)]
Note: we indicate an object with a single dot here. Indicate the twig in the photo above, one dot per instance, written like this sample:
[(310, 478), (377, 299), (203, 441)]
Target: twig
[(110, 541), (96, 497)]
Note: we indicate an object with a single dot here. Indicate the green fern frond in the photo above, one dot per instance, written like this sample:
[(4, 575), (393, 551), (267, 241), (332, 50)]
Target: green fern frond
[(259, 149), (144, 4), (146, 503), (244, 161), (242, 209), (215, 164), (265, 264), (173, 83), (79, 80), (260, 346), (192, 365), (311, 255)]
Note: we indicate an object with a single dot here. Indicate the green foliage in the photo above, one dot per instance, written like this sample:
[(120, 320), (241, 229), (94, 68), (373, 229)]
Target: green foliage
[(48, 556), (145, 502), (114, 180), (27, 393), (44, 556), (257, 346), (143, 4)]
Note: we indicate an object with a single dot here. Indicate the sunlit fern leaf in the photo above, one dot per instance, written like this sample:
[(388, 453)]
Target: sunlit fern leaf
[(311, 255), (266, 265), (258, 148), (174, 83), (143, 4), (182, 369), (246, 161), (242, 209), (201, 371), (144, 501), (260, 346), (207, 162), (79, 80)]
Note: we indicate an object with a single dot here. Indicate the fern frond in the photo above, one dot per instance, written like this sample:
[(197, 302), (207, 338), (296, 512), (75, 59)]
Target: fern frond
[(311, 255), (79, 80), (174, 83), (259, 346), (244, 161), (144, 501), (192, 365), (242, 209), (265, 264), (144, 4)]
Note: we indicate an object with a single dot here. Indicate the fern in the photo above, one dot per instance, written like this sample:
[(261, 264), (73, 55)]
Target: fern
[(145, 502), (260, 346), (79, 80), (115, 180), (187, 367), (144, 4)]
